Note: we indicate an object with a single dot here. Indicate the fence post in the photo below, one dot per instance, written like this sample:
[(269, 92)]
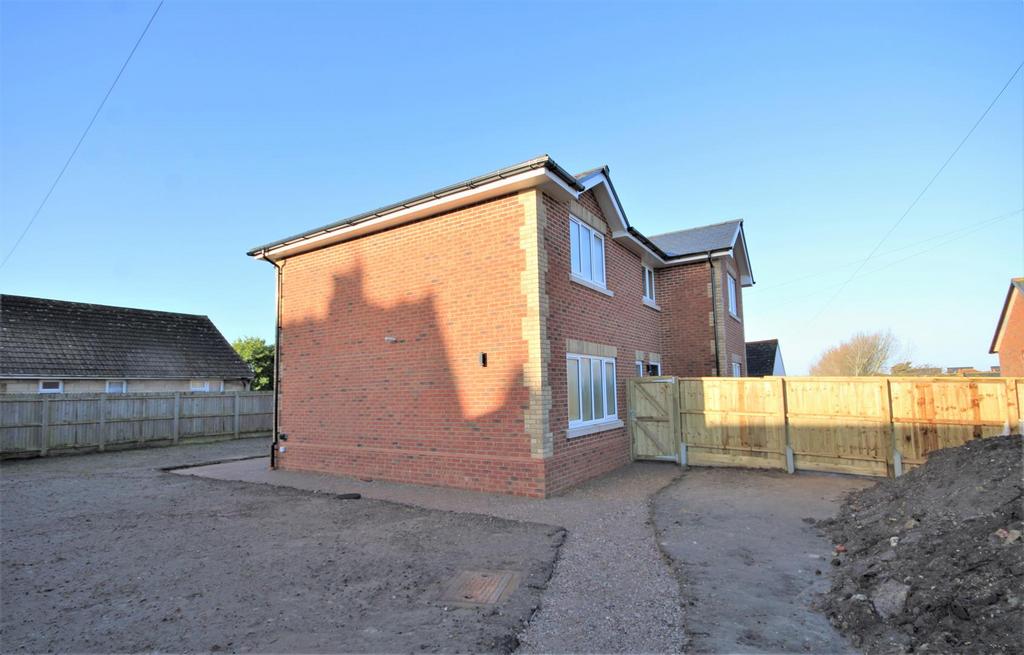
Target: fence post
[(677, 425), (894, 456), (236, 415), (177, 415), (44, 429), (1012, 408), (101, 439), (790, 459)]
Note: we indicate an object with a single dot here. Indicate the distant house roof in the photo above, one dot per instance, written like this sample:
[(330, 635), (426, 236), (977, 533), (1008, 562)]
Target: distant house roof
[(761, 357), (54, 338), (1012, 295), (706, 238)]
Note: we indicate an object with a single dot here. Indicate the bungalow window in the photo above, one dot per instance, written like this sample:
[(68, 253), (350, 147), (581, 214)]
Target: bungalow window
[(51, 386), (117, 386), (648, 283), (586, 247), (733, 303), (591, 387), (199, 385), (654, 368)]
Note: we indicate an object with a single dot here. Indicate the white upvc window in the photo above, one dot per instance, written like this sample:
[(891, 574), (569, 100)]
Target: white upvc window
[(591, 386), (117, 386), (586, 247), (734, 309), (737, 370), (199, 385), (639, 368), (654, 368), (51, 386), (648, 283)]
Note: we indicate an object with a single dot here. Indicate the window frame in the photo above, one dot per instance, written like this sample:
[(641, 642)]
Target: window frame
[(590, 276), (650, 294), (607, 417), (59, 389), (733, 299), (639, 368), (654, 365), (123, 383)]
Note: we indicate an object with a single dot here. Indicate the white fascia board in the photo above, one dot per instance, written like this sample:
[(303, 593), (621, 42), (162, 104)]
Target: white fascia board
[(746, 272), (402, 215), (606, 199)]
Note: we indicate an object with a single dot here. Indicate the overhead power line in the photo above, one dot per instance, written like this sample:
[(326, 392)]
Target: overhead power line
[(85, 133), (921, 193)]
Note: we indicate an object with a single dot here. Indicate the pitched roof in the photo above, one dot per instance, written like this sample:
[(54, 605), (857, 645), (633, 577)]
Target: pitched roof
[(1016, 284), (761, 357), (719, 236), (55, 338)]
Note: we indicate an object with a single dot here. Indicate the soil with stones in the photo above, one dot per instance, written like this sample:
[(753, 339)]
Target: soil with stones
[(933, 561), (106, 553)]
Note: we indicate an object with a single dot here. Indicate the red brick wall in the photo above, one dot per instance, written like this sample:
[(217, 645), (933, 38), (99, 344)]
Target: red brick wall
[(578, 312), (735, 343), (1011, 348), (683, 292), (422, 409)]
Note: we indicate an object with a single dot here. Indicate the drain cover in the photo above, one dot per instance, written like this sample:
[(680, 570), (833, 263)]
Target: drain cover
[(480, 587)]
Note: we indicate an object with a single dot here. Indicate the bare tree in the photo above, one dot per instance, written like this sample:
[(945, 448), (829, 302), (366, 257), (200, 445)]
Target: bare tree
[(863, 354)]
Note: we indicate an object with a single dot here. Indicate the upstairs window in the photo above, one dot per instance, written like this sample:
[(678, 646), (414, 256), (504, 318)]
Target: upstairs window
[(648, 283), (51, 386), (587, 251), (734, 309), (117, 386)]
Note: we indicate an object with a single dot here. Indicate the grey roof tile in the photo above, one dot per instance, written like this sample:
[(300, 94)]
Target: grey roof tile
[(55, 338), (698, 239)]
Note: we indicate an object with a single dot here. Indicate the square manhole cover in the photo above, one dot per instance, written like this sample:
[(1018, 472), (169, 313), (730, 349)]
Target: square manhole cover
[(480, 587)]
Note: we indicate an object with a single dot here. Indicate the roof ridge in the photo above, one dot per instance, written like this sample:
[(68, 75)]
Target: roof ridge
[(697, 227), (100, 305)]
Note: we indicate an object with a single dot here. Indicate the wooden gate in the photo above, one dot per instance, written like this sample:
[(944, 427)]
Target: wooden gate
[(654, 418)]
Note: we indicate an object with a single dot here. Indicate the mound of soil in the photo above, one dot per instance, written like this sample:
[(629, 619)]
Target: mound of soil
[(933, 561)]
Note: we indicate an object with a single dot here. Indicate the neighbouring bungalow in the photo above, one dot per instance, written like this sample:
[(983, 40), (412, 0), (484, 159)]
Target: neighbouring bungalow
[(481, 335), (54, 346), (764, 358), (1008, 341)]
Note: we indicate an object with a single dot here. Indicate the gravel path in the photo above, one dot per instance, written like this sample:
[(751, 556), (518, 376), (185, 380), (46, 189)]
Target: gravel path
[(106, 553), (750, 558), (612, 592)]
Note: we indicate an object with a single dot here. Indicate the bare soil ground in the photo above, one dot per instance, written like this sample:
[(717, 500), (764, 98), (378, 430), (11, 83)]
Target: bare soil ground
[(749, 558), (934, 560), (106, 553)]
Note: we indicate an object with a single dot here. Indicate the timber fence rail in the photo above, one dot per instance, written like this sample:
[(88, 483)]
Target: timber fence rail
[(42, 424), (878, 426)]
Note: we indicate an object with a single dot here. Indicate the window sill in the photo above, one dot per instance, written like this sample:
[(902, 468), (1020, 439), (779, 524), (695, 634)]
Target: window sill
[(594, 428), (590, 285), (653, 305)]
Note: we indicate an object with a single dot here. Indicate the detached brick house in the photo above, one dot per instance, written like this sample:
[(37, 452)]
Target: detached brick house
[(481, 336), (1008, 341)]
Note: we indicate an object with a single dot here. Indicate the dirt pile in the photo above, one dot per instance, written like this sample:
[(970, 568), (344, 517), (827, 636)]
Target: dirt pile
[(933, 561)]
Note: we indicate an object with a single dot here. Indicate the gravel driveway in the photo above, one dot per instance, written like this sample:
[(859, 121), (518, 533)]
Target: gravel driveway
[(106, 553), (750, 559), (612, 591)]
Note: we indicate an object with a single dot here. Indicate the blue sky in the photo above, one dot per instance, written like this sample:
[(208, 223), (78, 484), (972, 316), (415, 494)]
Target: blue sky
[(237, 123)]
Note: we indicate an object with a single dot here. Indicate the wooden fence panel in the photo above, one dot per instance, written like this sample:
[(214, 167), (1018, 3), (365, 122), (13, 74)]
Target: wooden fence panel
[(940, 413), (863, 425), (839, 424), (40, 424), (733, 421)]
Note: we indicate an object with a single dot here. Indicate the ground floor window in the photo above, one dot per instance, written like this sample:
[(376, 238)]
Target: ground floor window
[(199, 385), (737, 370), (591, 387), (639, 368), (51, 386), (654, 368), (117, 386)]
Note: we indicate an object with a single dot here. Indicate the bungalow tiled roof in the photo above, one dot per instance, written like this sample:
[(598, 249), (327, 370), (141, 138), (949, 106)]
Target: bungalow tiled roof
[(55, 338)]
